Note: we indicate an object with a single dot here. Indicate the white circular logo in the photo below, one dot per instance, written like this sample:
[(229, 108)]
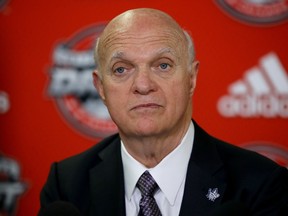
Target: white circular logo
[(4, 102), (256, 11), (275, 152), (71, 84)]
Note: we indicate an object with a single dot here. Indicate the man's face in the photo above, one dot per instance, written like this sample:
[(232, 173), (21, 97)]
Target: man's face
[(146, 83)]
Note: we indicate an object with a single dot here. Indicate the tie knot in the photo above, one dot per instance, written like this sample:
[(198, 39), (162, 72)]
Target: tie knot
[(147, 185)]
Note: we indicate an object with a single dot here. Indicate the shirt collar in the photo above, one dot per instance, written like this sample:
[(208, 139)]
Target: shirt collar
[(164, 172)]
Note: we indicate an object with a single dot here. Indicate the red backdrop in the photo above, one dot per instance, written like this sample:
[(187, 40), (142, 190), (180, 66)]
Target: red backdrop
[(241, 93)]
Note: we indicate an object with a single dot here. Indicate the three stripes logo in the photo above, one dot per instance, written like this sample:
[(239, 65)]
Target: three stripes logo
[(262, 92)]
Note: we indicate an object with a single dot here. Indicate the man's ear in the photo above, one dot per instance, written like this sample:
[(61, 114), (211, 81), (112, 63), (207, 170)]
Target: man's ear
[(97, 81), (193, 76)]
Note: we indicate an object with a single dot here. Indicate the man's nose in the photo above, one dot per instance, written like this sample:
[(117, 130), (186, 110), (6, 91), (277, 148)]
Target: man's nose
[(143, 82)]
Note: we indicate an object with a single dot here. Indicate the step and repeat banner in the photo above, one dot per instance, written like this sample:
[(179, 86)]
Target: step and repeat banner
[(49, 109)]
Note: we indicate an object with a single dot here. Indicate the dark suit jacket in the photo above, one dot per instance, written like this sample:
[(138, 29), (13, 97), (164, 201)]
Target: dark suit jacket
[(93, 180)]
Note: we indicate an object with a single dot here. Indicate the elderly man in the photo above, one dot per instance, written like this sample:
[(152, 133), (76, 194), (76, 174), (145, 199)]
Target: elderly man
[(161, 162)]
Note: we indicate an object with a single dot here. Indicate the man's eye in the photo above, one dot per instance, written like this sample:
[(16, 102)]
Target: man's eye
[(120, 70), (164, 66)]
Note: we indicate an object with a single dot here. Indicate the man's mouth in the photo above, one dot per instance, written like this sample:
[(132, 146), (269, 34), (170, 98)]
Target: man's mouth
[(146, 106)]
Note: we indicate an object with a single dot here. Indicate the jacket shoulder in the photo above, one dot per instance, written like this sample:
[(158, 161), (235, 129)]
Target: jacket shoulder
[(89, 157)]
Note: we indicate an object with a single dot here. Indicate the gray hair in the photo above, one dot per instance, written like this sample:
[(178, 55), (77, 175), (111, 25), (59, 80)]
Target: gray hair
[(190, 49)]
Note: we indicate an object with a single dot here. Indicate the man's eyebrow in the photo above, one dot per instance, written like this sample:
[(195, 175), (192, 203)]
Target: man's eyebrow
[(170, 51), (166, 50), (118, 54)]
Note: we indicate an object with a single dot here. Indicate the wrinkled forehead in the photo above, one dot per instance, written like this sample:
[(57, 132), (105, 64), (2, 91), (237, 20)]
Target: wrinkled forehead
[(141, 19), (140, 30)]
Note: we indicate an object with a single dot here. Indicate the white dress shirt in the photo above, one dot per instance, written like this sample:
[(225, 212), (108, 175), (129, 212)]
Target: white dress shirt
[(169, 174)]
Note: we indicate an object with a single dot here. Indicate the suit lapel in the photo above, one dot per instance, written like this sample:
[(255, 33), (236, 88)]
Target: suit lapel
[(107, 183), (205, 172), (205, 180)]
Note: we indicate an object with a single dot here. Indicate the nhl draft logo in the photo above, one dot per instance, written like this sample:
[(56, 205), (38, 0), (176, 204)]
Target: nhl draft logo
[(275, 152), (10, 186), (259, 12), (71, 84), (4, 102)]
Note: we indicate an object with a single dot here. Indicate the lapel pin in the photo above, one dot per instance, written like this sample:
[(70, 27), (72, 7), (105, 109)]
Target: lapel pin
[(212, 194)]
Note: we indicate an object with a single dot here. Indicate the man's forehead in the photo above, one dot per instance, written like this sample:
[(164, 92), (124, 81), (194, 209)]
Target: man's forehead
[(141, 33), (121, 54), (159, 41), (142, 17), (141, 23)]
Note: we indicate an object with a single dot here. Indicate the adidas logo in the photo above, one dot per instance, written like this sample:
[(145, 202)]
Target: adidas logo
[(262, 92)]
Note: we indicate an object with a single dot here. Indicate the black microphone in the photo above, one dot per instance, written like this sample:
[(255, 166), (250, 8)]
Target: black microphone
[(60, 208), (231, 208)]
